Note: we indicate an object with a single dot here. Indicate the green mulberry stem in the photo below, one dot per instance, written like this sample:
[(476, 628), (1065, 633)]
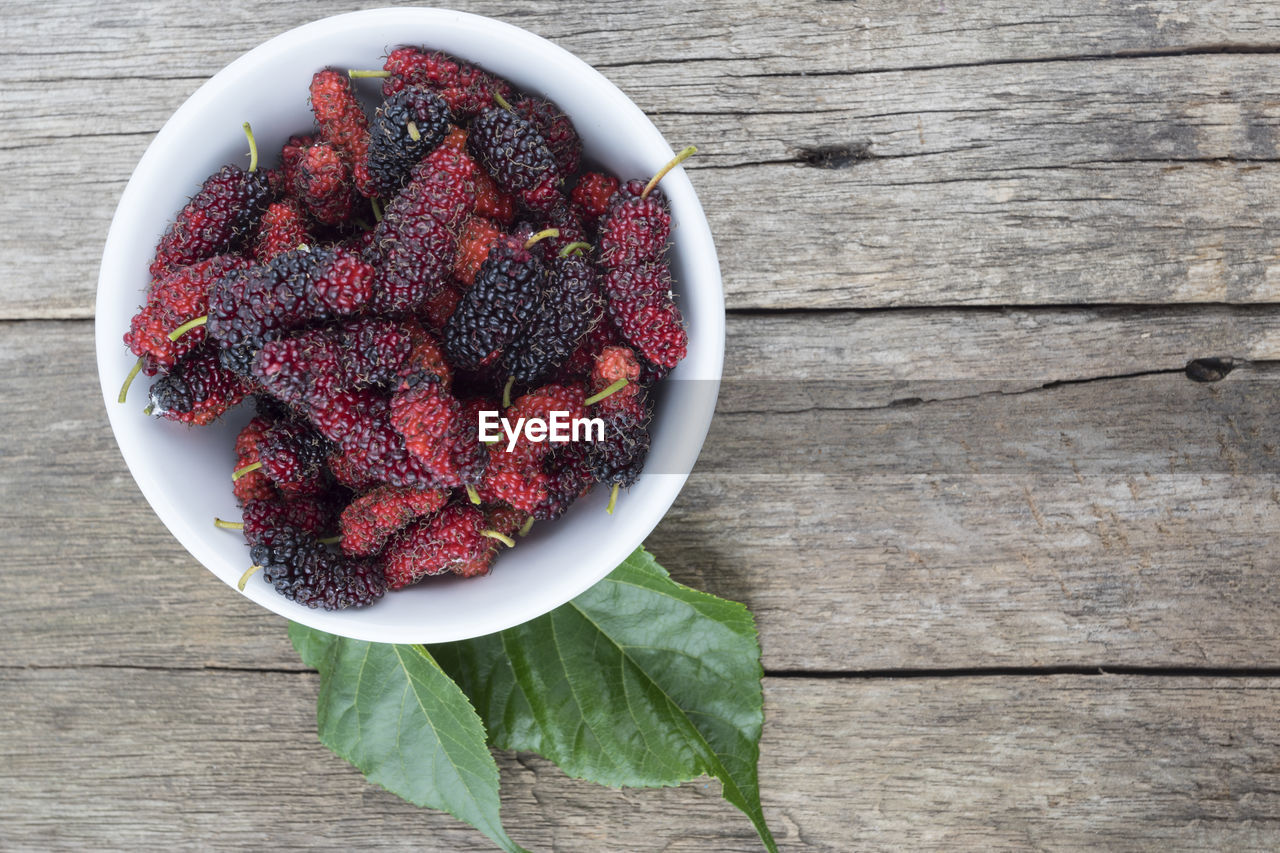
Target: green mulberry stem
[(244, 578), (188, 326), (240, 472), (128, 380), (501, 537), (577, 246), (253, 148), (541, 235), (617, 386), (675, 161)]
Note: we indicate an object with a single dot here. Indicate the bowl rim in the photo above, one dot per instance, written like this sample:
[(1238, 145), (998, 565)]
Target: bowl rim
[(693, 234)]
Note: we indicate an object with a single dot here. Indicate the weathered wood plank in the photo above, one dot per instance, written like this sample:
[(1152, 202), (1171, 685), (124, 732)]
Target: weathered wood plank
[(147, 759), (1019, 182), (192, 39), (1127, 521)]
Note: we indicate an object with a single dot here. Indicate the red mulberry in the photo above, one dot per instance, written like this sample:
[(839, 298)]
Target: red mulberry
[(198, 390), (466, 89), (282, 229), (447, 541), (343, 123), (180, 295), (369, 520)]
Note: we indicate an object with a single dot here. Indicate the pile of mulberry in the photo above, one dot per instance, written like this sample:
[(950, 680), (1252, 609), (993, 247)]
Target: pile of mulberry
[(399, 281)]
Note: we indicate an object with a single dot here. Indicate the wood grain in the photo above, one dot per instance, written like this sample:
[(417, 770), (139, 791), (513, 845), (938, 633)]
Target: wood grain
[(230, 760), (1098, 157), (1122, 521)]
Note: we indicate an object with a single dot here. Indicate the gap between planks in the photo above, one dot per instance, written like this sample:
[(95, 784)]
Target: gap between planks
[(786, 674)]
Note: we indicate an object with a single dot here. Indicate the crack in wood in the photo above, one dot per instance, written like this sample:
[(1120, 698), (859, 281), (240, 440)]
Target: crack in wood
[(1146, 53), (1210, 369)]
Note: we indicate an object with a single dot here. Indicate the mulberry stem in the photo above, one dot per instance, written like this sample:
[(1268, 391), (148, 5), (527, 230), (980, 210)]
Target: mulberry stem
[(506, 392), (576, 246), (355, 74), (413, 132), (613, 498), (128, 380), (377, 209), (253, 148), (675, 161), (240, 472), (617, 386), (472, 494), (228, 525), (188, 326), (244, 578), (330, 540), (502, 102), (526, 527), (541, 235), (501, 537)]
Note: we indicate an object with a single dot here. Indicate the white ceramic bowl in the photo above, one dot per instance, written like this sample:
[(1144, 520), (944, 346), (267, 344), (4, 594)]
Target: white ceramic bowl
[(184, 472)]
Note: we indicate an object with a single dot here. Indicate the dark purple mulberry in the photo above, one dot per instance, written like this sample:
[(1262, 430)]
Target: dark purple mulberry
[(303, 570), (556, 129), (395, 146), (618, 459), (512, 151), (293, 455), (569, 307), (223, 215), (497, 307), (250, 307)]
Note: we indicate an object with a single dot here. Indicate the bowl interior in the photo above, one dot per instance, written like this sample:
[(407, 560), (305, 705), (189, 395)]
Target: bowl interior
[(184, 472)]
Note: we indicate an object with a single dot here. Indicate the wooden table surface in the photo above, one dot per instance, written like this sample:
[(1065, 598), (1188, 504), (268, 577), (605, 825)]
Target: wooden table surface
[(1015, 574)]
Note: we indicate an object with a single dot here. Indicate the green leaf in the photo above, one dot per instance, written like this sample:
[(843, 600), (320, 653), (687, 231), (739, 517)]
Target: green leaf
[(393, 713), (638, 682)]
